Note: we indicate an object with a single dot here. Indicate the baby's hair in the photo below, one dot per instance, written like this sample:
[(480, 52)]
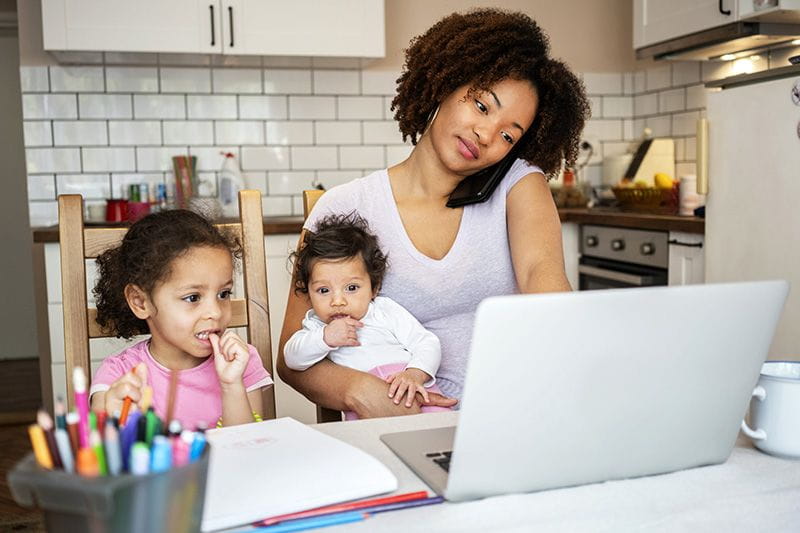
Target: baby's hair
[(144, 258), (483, 47), (339, 237)]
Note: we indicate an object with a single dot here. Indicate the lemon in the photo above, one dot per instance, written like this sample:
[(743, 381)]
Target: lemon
[(663, 180)]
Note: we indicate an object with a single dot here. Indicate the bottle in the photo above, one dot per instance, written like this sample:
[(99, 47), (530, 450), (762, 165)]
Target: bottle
[(230, 183)]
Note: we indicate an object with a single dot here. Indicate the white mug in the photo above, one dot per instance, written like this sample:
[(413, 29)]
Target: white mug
[(775, 410)]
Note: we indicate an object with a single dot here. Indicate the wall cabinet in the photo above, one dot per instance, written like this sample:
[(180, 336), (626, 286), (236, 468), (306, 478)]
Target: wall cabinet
[(334, 28), (686, 258), (659, 20)]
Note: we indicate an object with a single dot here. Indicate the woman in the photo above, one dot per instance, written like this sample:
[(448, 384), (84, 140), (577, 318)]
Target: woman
[(474, 86)]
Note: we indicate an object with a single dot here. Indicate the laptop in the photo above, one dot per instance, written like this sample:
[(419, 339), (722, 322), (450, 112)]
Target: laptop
[(573, 388)]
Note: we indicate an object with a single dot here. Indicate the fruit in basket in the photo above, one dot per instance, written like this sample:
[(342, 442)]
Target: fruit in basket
[(663, 180), (641, 184)]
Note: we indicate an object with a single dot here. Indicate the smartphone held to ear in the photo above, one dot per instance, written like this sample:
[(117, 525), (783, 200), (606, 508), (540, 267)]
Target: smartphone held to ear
[(478, 187)]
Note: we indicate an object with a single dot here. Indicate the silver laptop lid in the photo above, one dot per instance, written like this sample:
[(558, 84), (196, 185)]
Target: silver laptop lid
[(572, 388)]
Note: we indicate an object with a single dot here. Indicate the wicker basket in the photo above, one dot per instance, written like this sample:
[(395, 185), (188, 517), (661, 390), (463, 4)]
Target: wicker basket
[(648, 199)]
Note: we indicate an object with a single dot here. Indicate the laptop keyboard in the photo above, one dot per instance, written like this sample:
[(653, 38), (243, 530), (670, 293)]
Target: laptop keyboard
[(441, 458)]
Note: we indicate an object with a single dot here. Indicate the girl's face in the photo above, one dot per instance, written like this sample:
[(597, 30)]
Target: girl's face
[(192, 302), (340, 288), (472, 132)]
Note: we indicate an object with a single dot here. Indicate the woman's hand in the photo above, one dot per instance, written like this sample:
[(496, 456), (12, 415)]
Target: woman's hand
[(342, 332), (130, 384), (366, 395), (230, 357), (408, 383)]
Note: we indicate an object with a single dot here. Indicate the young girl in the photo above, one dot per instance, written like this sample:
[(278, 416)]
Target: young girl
[(341, 268), (172, 277)]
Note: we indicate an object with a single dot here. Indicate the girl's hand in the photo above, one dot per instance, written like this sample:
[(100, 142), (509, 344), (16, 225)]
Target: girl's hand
[(408, 383), (230, 357), (130, 384), (342, 332)]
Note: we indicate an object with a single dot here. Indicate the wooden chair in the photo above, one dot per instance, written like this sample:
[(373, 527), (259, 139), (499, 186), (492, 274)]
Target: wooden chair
[(79, 243), (310, 198)]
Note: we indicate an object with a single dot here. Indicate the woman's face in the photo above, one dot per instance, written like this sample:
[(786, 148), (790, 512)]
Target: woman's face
[(472, 132)]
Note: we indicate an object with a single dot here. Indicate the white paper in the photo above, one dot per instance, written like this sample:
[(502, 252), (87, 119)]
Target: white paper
[(282, 466)]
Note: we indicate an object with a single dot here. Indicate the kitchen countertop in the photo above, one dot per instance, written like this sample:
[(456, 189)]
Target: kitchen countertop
[(600, 216)]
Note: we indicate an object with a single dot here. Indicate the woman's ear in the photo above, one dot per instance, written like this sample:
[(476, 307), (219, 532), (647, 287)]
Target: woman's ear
[(138, 301)]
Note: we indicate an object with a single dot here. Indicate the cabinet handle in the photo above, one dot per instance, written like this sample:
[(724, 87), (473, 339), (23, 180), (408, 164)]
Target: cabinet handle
[(213, 33), (676, 242), (230, 22), (723, 11)]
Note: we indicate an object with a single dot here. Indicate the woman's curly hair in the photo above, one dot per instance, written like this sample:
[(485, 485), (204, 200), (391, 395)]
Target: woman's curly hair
[(339, 237), (144, 258), (480, 48)]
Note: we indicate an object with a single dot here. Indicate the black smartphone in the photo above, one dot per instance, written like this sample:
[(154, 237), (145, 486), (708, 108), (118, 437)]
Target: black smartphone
[(478, 187)]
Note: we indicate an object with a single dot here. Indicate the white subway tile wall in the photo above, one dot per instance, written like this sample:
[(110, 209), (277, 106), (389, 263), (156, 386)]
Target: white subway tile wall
[(99, 126)]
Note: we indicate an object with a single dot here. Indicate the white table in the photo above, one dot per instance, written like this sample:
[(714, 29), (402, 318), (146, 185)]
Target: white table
[(750, 492)]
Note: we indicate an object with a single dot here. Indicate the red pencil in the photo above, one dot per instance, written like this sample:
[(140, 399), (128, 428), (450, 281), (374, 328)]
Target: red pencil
[(340, 507)]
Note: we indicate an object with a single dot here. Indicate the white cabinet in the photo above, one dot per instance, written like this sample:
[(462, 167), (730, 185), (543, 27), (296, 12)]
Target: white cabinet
[(333, 28), (686, 258), (570, 239), (769, 10), (123, 26), (659, 20)]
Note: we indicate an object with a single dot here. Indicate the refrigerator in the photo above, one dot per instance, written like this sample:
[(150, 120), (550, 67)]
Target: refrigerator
[(753, 202)]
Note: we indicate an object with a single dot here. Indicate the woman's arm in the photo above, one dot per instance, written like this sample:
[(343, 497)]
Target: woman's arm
[(331, 385), (534, 235)]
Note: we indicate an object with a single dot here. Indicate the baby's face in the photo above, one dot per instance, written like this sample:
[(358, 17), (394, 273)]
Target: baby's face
[(340, 288)]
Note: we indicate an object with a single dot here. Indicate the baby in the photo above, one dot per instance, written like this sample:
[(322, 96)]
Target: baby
[(341, 268)]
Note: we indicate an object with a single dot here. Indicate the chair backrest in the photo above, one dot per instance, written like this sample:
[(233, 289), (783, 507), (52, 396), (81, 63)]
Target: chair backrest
[(78, 243), (310, 198)]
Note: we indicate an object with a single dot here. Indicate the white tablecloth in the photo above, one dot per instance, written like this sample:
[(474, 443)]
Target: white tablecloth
[(752, 491)]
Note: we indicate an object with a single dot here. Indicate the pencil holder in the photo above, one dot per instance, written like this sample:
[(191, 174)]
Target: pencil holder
[(164, 501)]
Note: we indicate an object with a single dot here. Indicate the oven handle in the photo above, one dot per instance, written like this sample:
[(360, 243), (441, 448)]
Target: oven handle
[(614, 275)]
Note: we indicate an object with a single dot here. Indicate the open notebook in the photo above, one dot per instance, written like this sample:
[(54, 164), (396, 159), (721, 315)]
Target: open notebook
[(282, 466)]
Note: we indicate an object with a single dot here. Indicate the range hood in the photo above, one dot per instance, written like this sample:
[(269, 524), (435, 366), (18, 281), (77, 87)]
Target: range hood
[(738, 39)]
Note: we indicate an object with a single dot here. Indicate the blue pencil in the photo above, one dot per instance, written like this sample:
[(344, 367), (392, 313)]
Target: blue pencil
[(303, 524)]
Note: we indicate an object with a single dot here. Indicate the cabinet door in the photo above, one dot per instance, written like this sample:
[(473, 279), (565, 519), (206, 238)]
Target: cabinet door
[(686, 258), (334, 28), (191, 26), (659, 20), (570, 239)]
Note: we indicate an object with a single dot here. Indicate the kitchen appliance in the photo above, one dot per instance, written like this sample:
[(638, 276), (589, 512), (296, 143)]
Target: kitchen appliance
[(739, 39), (752, 228), (622, 257), (652, 156)]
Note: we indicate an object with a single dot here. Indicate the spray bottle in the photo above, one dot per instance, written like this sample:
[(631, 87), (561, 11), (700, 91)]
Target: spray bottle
[(230, 183)]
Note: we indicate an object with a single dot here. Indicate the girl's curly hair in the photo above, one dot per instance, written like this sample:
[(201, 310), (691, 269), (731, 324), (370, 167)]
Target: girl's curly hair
[(480, 48), (144, 258), (339, 237)]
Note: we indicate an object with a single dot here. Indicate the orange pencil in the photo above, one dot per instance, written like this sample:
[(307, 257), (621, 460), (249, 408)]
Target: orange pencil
[(87, 464), (126, 406), (39, 443)]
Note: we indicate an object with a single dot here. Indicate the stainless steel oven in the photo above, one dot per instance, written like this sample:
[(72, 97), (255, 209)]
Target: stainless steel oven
[(621, 257)]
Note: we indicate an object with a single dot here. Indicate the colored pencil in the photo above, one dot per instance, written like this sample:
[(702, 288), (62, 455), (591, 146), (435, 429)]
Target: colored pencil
[(342, 507), (303, 524), (126, 406)]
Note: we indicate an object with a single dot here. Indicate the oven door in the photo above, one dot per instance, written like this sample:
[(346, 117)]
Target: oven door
[(597, 274)]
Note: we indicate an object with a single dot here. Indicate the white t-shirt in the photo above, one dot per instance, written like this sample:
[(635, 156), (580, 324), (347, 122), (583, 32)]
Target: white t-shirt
[(442, 294), (390, 335)]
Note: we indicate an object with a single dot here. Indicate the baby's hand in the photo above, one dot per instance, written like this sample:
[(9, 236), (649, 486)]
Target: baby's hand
[(130, 384), (230, 356), (407, 383), (342, 332)]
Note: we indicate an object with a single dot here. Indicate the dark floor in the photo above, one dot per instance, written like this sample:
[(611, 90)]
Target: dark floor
[(19, 381), (14, 444)]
